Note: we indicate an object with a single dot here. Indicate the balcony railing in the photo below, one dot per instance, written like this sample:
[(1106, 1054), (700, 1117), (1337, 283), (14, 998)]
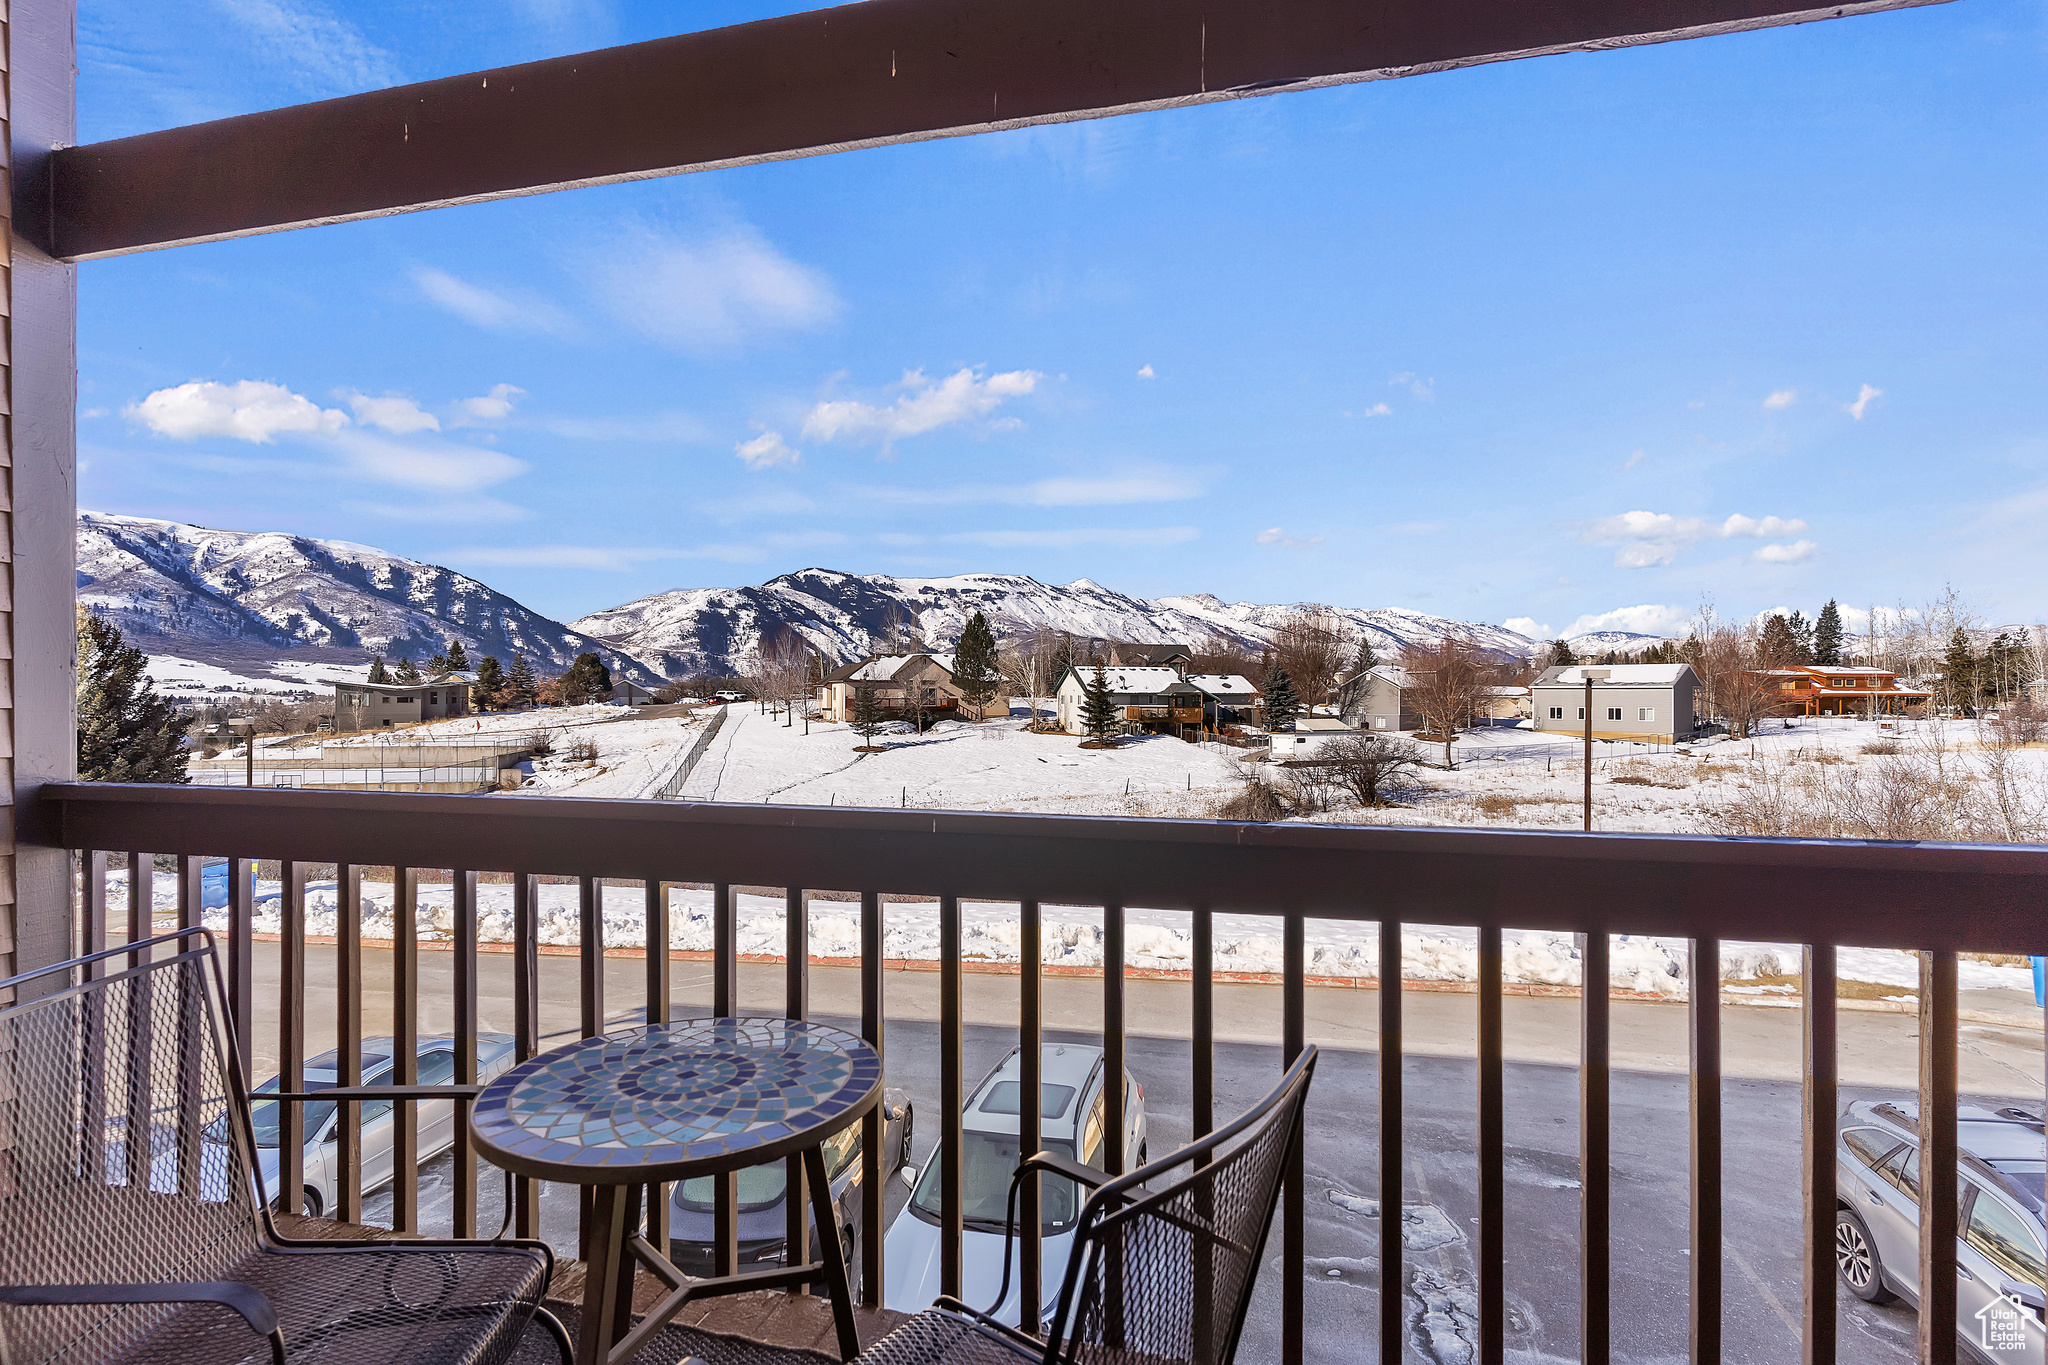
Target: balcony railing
[(1938, 900)]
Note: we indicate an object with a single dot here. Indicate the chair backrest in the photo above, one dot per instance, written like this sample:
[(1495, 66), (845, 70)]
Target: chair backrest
[(124, 1147), (1165, 1258)]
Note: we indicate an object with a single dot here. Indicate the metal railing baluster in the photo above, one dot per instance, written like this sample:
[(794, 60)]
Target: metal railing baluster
[(348, 1002), (1817, 1338), (405, 1047), (1393, 1280), (952, 1094), (1116, 1100), (1595, 1150), (796, 1004), (191, 1013), (191, 891), (242, 958), (97, 1039), (141, 875), (92, 874), (872, 1166), (525, 1024), (1492, 1256), (659, 1011), (590, 1019), (1938, 1158), (725, 1003), (1704, 1012), (1202, 1024), (465, 972), (291, 1035), (1031, 1060), (1294, 1206)]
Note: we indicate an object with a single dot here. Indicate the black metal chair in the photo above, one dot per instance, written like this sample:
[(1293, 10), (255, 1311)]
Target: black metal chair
[(132, 1222), (1163, 1260)]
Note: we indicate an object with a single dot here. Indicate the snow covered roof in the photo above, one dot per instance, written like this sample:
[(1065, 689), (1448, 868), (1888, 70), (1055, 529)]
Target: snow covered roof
[(1392, 673), (1148, 680), (1320, 724), (1615, 675), (1223, 684), (885, 667)]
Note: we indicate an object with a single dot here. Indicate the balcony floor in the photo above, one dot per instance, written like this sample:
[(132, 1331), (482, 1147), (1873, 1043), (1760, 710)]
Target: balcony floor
[(795, 1329)]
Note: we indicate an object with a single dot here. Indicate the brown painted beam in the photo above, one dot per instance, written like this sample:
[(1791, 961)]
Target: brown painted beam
[(862, 75)]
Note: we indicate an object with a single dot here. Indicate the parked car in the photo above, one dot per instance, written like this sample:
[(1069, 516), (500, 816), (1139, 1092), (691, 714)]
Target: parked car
[(763, 1198), (1071, 1121), (1999, 1260), (728, 696), (436, 1118)]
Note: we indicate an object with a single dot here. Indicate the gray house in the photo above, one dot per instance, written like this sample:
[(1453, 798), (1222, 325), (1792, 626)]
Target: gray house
[(1651, 702), (1378, 699), (378, 706)]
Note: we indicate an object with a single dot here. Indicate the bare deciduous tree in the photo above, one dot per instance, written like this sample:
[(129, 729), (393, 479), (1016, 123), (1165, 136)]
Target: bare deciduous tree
[(1315, 645), (1451, 680), (1365, 763)]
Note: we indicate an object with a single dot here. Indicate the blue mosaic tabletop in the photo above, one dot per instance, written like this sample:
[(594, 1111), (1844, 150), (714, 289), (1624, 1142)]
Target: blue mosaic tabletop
[(606, 1109)]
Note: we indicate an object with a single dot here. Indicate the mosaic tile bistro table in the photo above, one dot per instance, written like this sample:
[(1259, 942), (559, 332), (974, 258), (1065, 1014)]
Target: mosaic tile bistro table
[(674, 1101)]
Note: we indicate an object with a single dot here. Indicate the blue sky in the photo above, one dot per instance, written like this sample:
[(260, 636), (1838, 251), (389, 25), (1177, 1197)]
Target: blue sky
[(1567, 342)]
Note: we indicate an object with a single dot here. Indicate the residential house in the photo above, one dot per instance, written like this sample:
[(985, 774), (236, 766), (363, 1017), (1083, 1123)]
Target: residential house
[(379, 706), (1227, 699), (1843, 690), (1309, 735), (1145, 698), (903, 684), (1166, 655), (1508, 704), (1380, 698), (1649, 702)]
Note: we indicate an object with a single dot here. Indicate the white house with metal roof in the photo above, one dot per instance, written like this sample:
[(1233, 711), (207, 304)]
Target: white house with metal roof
[(1154, 697), (1650, 702), (1227, 698)]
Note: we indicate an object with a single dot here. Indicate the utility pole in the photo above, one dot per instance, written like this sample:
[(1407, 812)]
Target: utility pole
[(1589, 674), (248, 729)]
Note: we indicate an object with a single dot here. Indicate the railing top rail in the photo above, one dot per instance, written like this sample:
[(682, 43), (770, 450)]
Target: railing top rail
[(1964, 897)]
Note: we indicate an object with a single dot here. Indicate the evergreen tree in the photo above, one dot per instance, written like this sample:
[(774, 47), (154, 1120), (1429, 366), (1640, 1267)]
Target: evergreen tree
[(1779, 646), (436, 665), (1827, 635), (1561, 655), (1367, 660), (521, 685), (406, 672), (126, 732), (1802, 638), (377, 670), (974, 663), (1062, 660), (587, 680), (1098, 712), (490, 682), (1282, 706), (1959, 668), (458, 658), (867, 712)]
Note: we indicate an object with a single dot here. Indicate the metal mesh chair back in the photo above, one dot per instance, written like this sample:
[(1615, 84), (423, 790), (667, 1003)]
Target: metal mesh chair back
[(122, 1157), (1165, 1258)]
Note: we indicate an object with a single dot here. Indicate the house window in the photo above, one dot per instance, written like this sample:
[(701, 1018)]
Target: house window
[(1788, 687), (433, 698), (1646, 713), (1581, 715), (1557, 713), (1614, 713)]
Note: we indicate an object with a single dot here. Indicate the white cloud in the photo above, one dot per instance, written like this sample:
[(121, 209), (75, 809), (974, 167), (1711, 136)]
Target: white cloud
[(436, 466), (1145, 372), (1647, 619), (327, 56), (1863, 397), (1376, 410), (1137, 486), (1425, 389), (1633, 460), (489, 308), (923, 405), (494, 406), (1785, 554), (607, 558), (465, 510), (714, 294), (766, 451), (1527, 625), (1652, 539), (1781, 399), (662, 428), (1094, 535), (1273, 535), (251, 410), (399, 416)]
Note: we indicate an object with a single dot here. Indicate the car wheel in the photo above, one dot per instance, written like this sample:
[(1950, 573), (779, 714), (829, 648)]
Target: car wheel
[(1856, 1257), (1144, 1158), (909, 1123)]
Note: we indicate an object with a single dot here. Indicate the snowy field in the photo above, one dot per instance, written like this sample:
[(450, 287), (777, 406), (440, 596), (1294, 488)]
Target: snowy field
[(1156, 940)]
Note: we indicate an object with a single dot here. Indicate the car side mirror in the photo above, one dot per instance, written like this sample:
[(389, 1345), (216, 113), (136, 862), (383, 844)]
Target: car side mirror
[(2031, 1296), (909, 1174)]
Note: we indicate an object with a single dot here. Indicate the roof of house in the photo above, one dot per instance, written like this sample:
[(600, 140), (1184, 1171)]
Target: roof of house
[(1321, 724), (1125, 681), (437, 680), (884, 667), (1223, 685), (1152, 654), (1393, 673), (1617, 675)]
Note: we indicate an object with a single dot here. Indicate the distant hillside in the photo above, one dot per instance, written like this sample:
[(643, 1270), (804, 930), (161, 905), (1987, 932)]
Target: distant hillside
[(237, 597), (1623, 641), (844, 615)]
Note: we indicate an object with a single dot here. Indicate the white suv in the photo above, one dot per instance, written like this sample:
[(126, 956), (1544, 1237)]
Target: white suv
[(1071, 1124)]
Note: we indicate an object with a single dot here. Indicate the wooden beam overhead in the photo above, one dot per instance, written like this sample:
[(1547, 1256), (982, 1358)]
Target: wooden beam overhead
[(862, 75)]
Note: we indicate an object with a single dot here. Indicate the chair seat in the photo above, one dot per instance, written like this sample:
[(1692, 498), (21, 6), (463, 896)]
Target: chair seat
[(938, 1334), (366, 1305)]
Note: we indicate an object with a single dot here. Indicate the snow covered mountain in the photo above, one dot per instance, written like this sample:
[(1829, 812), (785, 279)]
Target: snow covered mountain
[(237, 598), (846, 615), (1600, 641)]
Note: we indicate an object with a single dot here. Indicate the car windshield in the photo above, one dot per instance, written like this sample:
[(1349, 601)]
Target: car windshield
[(761, 1187), (988, 1160), (268, 1118), (2025, 1177)]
